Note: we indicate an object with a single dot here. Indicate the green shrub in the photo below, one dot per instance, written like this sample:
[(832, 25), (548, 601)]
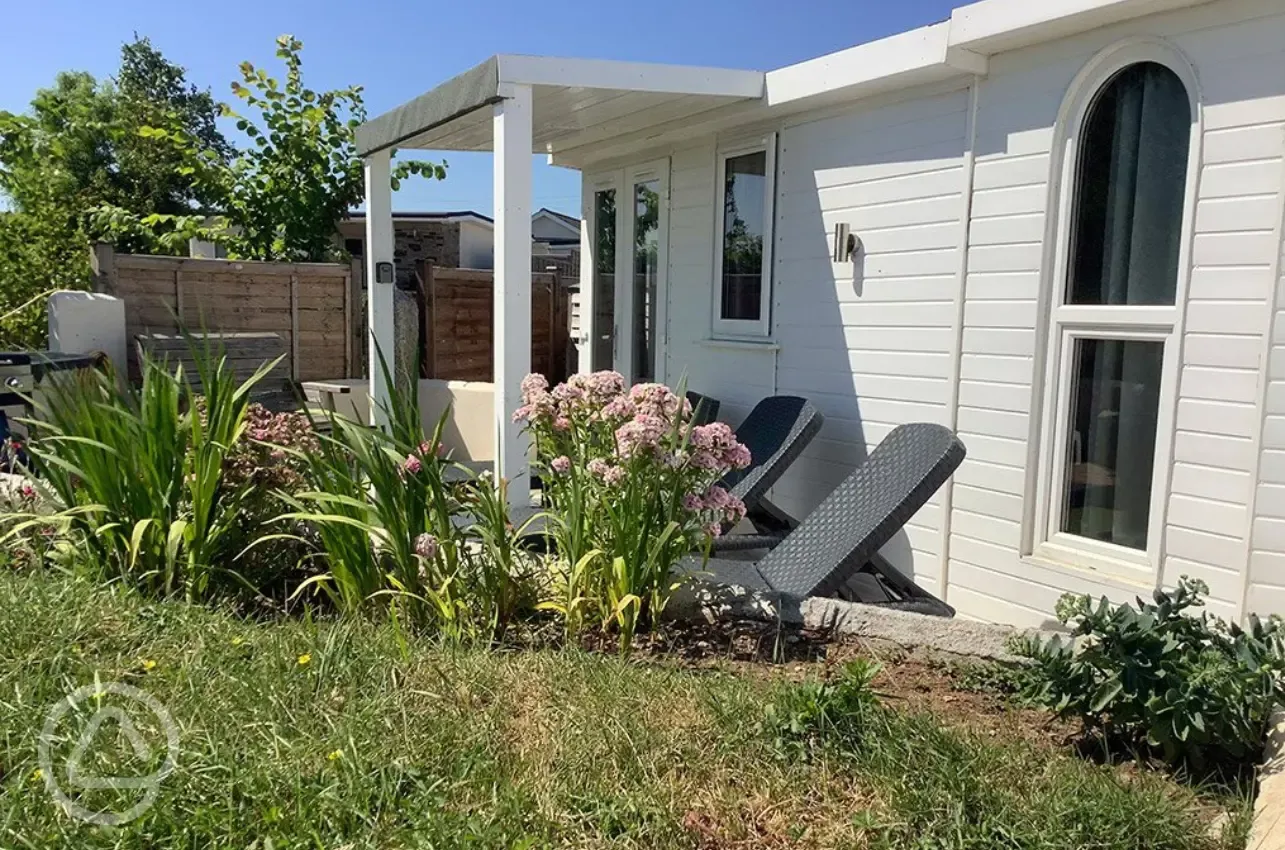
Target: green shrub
[(1194, 687), (139, 474), (803, 717)]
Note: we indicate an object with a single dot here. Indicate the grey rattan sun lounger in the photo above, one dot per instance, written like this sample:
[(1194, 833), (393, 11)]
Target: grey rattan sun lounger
[(842, 537), (704, 408), (776, 432)]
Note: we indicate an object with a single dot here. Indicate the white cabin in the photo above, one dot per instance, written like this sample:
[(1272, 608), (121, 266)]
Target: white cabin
[(1066, 221)]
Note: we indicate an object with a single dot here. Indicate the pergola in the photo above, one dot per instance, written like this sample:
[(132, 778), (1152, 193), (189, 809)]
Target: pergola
[(516, 106)]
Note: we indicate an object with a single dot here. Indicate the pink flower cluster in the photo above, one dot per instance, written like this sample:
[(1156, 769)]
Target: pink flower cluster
[(426, 546), (714, 446), (640, 435), (721, 506), (414, 462), (608, 473)]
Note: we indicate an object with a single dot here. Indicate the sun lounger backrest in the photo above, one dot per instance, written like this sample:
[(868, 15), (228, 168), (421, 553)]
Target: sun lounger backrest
[(865, 511), (776, 432)]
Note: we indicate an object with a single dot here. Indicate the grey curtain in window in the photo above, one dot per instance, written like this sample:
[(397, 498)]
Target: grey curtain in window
[(1133, 180)]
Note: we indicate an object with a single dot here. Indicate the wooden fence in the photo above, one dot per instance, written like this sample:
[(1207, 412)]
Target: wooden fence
[(457, 324), (314, 307)]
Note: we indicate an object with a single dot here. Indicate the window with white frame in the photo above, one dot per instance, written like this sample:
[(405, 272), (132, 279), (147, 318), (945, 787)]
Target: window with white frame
[(743, 261), (1114, 322)]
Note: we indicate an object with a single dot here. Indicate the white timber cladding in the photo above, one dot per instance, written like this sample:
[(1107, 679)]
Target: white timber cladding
[(875, 342)]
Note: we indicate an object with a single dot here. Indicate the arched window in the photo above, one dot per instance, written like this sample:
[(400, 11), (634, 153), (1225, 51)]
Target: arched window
[(1114, 322)]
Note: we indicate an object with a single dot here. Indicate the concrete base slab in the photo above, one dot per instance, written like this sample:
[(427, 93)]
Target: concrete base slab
[(912, 631), (1268, 832)]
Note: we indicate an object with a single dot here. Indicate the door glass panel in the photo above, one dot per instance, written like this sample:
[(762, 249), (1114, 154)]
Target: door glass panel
[(1132, 181), (744, 223), (604, 280), (1111, 441), (646, 270)]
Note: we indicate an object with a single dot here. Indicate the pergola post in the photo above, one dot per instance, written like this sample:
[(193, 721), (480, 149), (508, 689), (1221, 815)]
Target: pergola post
[(512, 164), (380, 296)]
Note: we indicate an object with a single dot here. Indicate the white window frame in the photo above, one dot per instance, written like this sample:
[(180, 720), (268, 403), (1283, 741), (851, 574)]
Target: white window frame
[(591, 185), (1067, 323), (742, 328)]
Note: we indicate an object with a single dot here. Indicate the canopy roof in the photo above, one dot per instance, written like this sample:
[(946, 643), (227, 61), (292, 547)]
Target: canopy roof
[(575, 102)]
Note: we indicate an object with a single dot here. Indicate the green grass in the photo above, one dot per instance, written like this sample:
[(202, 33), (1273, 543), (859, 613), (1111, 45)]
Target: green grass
[(383, 740)]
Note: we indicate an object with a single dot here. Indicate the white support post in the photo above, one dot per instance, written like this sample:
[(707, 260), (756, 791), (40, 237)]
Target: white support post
[(512, 129), (380, 296)]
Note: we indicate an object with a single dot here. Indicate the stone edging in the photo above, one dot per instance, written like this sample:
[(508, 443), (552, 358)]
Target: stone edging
[(912, 631), (1268, 831)]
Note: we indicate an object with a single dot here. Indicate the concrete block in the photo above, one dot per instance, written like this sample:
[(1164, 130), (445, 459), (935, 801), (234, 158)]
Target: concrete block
[(88, 322)]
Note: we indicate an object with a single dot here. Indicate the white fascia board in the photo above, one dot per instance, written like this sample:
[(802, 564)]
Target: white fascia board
[(992, 26), (888, 62), (629, 76)]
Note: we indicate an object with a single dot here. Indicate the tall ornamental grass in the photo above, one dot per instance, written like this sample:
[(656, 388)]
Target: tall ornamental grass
[(396, 523), (139, 472), (631, 488)]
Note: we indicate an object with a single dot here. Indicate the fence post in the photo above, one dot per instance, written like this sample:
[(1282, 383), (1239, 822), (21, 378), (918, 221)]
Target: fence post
[(294, 327), (102, 260), (424, 287), (348, 323), (356, 318), (180, 318)]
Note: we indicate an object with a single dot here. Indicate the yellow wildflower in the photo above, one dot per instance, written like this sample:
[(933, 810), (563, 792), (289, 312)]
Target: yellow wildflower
[(305, 659), (336, 755), (37, 775), (149, 665)]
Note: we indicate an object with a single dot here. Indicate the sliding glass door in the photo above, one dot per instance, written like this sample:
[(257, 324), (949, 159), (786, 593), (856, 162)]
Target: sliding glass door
[(626, 298)]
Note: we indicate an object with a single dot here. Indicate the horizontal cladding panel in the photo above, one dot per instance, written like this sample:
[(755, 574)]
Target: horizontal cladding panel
[(1222, 350), (1007, 230), (917, 364), (1218, 417), (1241, 283), (1213, 450), (987, 502), (1004, 286), (998, 423)]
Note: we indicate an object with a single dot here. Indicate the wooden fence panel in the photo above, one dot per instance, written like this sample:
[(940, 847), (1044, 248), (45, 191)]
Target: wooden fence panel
[(309, 305), (460, 325)]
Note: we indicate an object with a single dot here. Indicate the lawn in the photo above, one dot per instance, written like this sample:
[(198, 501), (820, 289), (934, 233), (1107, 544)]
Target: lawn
[(355, 733)]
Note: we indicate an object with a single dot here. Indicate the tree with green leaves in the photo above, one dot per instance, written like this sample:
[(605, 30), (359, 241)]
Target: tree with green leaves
[(78, 147), (282, 195)]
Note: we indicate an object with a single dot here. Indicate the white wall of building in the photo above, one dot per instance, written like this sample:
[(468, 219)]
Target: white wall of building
[(947, 214)]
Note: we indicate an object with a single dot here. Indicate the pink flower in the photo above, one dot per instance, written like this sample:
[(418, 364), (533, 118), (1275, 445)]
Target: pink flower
[(427, 450), (714, 529), (412, 465), (561, 465), (523, 413), (426, 545), (655, 400), (716, 498), (599, 467), (614, 476), (692, 502), (533, 385), (640, 436), (737, 456), (562, 423), (735, 510), (620, 407)]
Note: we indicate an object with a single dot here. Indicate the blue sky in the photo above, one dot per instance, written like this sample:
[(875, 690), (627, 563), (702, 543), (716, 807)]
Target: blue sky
[(398, 50)]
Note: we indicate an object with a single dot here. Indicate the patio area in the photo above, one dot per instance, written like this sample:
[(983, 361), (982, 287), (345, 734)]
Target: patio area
[(517, 106)]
